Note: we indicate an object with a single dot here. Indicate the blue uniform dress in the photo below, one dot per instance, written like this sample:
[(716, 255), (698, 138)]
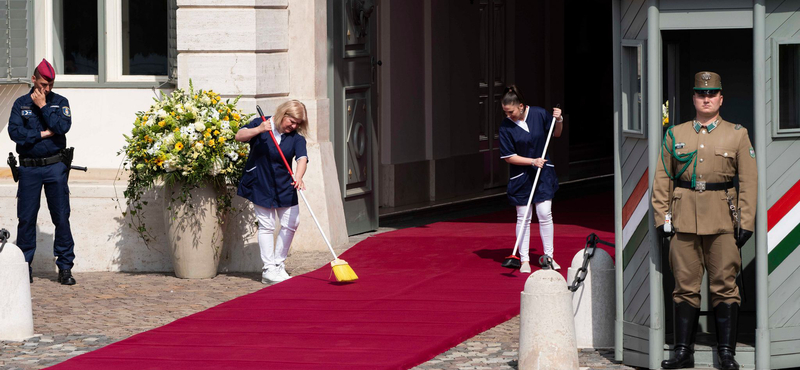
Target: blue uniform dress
[(514, 140), (25, 125), (266, 181)]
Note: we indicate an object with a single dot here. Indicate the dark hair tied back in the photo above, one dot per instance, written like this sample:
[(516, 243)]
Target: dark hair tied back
[(512, 96)]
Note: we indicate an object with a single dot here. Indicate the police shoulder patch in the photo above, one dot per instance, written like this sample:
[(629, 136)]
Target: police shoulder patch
[(66, 111), (752, 152), (738, 126)]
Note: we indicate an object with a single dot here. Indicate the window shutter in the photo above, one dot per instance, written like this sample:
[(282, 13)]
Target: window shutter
[(14, 48), (172, 42)]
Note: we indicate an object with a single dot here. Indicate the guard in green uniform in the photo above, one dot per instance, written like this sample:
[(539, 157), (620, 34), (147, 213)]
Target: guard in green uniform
[(696, 204)]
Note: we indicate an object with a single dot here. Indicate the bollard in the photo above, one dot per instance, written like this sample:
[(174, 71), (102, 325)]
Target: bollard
[(546, 328), (593, 303), (16, 316)]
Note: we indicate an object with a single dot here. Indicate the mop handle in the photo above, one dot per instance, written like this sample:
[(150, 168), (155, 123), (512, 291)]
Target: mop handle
[(264, 119), (533, 189)]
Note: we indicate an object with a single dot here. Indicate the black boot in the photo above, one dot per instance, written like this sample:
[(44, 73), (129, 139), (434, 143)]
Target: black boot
[(65, 277), (685, 320), (726, 316)]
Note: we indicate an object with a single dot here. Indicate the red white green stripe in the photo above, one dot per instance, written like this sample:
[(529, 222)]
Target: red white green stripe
[(783, 223)]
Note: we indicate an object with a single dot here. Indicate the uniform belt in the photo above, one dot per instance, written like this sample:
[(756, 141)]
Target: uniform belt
[(40, 162), (702, 185)]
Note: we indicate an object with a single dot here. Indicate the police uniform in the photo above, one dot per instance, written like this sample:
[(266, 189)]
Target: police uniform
[(694, 184), (41, 165)]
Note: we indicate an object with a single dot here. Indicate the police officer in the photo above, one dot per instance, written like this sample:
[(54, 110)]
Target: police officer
[(39, 120), (693, 191)]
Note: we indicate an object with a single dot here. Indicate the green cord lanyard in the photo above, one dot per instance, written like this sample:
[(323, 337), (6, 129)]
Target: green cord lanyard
[(686, 158)]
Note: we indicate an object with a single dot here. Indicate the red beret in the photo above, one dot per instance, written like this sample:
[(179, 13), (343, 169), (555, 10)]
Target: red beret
[(46, 70)]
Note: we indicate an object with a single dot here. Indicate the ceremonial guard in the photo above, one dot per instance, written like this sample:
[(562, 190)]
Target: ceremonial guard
[(38, 124), (696, 204)]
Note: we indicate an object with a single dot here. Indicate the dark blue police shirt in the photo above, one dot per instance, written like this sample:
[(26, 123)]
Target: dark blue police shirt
[(266, 181), (27, 122), (515, 140)]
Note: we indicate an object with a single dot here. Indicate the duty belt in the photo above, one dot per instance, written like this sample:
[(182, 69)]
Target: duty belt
[(40, 162), (702, 186)]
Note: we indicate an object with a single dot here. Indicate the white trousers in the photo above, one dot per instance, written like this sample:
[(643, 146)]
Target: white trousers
[(545, 229), (274, 254)]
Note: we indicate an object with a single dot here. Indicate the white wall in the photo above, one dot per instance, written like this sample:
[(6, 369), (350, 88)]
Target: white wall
[(99, 119)]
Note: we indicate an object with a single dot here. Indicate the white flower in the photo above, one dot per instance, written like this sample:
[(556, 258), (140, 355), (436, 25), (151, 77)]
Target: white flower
[(225, 125), (214, 114), (169, 139), (199, 126), (198, 145), (216, 167), (162, 114), (233, 156), (205, 99)]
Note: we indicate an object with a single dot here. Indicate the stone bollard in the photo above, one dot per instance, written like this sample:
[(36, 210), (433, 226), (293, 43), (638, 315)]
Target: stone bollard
[(546, 328), (16, 316), (594, 301)]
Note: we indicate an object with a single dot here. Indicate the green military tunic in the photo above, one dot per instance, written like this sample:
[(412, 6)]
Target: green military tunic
[(702, 219)]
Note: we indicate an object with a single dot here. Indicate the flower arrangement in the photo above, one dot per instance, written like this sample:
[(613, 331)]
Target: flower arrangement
[(665, 113), (185, 137)]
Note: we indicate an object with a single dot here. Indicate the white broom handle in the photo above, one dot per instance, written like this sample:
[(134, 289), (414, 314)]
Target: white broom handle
[(316, 222), (535, 181)]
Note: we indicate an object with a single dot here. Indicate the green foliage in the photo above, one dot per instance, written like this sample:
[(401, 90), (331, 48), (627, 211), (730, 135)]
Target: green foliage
[(185, 138)]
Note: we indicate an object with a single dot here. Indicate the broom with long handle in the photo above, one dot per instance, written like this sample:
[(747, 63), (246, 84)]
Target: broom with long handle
[(512, 261), (342, 271)]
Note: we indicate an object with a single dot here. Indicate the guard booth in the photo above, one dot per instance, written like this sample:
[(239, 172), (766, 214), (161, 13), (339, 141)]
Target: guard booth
[(755, 46)]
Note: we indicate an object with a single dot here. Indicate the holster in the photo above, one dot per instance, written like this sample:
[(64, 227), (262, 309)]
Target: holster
[(12, 162), (66, 157)]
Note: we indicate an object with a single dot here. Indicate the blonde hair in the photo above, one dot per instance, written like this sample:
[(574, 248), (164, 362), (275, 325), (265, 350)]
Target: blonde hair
[(294, 109)]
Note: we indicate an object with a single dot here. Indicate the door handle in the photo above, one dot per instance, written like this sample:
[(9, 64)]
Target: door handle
[(375, 64)]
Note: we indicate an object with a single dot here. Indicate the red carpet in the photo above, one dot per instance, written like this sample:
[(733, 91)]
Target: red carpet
[(421, 292)]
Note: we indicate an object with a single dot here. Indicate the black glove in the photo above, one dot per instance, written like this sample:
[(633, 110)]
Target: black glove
[(744, 236), (664, 234)]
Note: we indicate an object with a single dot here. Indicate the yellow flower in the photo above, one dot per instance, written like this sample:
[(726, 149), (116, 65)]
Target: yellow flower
[(161, 123), (221, 140), (195, 96), (206, 134), (211, 142), (236, 116), (216, 132), (172, 113), (208, 130), (179, 146), (176, 129)]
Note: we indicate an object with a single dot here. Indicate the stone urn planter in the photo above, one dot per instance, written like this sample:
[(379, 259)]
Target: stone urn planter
[(194, 234)]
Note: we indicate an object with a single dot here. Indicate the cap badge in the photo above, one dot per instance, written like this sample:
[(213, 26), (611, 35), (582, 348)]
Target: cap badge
[(706, 76)]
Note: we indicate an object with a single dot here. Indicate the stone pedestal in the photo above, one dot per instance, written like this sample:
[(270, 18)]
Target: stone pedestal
[(593, 303), (16, 317), (546, 328)]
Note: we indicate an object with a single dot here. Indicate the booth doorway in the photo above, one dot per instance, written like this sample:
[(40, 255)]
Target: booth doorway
[(685, 53)]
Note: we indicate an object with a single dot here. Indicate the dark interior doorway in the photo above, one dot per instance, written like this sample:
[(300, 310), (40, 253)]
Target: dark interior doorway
[(728, 53), (589, 87)]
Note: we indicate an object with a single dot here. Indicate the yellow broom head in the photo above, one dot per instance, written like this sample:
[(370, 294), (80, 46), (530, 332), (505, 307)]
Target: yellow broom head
[(343, 271)]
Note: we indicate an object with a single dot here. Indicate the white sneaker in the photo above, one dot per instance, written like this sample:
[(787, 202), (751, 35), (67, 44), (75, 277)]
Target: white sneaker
[(525, 268), (282, 274), (555, 265), (270, 276)]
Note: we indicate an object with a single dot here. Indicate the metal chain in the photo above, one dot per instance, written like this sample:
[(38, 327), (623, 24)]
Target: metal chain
[(588, 253), (4, 235)]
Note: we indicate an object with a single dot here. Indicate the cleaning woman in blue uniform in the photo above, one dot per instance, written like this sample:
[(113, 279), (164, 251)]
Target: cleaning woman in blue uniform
[(267, 183), (523, 134)]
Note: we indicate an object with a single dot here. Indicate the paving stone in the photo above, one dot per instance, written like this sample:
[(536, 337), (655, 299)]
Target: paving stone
[(114, 306)]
